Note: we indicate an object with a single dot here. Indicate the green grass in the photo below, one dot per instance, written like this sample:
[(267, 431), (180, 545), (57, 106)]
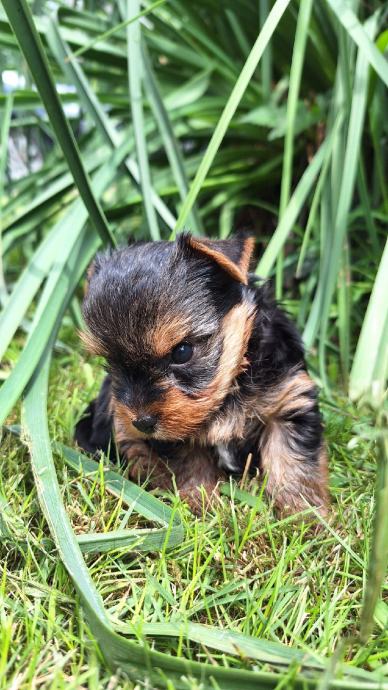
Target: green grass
[(238, 568), (270, 116)]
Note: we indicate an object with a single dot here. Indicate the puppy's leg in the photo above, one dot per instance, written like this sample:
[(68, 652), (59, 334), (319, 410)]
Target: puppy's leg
[(196, 469), (143, 463), (291, 447), (191, 468)]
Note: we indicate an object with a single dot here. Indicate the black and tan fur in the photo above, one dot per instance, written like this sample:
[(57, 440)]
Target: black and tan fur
[(244, 392)]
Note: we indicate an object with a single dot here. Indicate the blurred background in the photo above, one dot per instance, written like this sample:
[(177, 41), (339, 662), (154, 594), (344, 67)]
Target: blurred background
[(302, 162)]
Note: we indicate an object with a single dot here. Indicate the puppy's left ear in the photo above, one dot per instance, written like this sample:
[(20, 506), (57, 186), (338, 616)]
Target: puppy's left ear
[(93, 269), (233, 255)]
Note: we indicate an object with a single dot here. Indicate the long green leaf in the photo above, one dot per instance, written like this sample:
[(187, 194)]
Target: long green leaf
[(234, 99), (6, 121), (293, 209), (371, 357), (360, 36), (378, 560), (20, 18), (98, 115), (171, 145), (298, 56), (345, 191), (135, 74)]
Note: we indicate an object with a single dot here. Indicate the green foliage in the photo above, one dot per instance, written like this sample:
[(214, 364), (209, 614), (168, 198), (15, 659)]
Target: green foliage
[(252, 103)]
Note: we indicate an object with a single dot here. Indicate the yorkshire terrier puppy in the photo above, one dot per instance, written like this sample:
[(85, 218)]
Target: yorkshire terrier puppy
[(205, 372)]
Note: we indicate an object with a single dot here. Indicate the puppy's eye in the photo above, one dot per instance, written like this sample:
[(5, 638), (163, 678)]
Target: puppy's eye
[(182, 353)]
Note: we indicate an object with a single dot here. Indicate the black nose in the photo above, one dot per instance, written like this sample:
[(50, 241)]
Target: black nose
[(145, 424)]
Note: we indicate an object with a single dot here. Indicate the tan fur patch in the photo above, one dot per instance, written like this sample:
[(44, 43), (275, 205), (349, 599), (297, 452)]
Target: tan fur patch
[(291, 482), (290, 396), (166, 334), (225, 428), (122, 419), (223, 261), (94, 346), (180, 415), (245, 259)]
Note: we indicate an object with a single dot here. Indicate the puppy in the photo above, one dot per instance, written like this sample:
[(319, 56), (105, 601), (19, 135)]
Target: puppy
[(204, 372)]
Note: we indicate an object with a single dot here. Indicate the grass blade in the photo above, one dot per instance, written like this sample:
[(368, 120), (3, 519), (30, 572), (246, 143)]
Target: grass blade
[(234, 99), (371, 357), (114, 29), (141, 540), (266, 63), (293, 209), (20, 18), (97, 114), (354, 28), (143, 502), (378, 561), (6, 121), (171, 145), (298, 56), (345, 192), (135, 74)]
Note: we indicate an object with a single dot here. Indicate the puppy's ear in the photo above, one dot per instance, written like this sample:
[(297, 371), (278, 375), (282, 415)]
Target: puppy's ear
[(93, 270), (233, 255)]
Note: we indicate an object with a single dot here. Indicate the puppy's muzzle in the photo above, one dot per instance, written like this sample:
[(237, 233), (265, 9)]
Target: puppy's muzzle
[(146, 424)]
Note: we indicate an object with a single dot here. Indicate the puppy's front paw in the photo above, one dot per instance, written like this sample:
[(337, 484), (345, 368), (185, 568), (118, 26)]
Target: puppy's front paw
[(141, 460), (200, 498), (287, 503)]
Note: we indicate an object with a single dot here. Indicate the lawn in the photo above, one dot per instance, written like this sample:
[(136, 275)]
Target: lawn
[(269, 118)]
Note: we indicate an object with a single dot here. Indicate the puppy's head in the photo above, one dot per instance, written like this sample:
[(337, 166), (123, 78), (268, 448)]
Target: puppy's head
[(172, 320)]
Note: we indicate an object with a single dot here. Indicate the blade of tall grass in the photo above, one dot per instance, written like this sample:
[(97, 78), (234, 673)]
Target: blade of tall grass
[(366, 206), (141, 501), (135, 76), (20, 18), (136, 540), (344, 307), (241, 84), (298, 57), (378, 560), (56, 294), (361, 37), (97, 114), (57, 242), (170, 142), (266, 63), (312, 215), (341, 210), (6, 121), (238, 31), (115, 29), (231, 642), (370, 365), (294, 207)]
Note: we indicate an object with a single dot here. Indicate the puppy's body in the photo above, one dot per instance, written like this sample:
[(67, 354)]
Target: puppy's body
[(206, 365)]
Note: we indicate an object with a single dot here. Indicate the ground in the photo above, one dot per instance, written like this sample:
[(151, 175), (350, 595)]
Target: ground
[(238, 568)]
